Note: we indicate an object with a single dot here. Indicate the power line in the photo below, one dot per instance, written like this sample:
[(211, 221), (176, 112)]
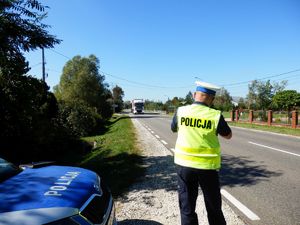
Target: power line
[(60, 54), (142, 84), (53, 70), (293, 76), (129, 81), (35, 65), (242, 83), (234, 89), (263, 78)]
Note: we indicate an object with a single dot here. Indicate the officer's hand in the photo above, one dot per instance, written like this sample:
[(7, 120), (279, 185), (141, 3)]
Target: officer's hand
[(227, 136)]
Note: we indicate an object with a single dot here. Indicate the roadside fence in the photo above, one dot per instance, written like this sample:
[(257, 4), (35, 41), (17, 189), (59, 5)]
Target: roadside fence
[(269, 117)]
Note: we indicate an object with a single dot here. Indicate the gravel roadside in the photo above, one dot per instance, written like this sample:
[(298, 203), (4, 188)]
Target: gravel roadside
[(152, 200)]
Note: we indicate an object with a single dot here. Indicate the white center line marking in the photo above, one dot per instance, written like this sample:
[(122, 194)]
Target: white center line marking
[(275, 149), (165, 143), (251, 215), (156, 136), (152, 132)]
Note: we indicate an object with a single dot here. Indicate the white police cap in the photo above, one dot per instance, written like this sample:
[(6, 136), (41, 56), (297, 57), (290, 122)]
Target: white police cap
[(208, 88)]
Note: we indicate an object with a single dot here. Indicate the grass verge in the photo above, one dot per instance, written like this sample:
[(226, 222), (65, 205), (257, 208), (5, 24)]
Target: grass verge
[(226, 114), (115, 158), (280, 130)]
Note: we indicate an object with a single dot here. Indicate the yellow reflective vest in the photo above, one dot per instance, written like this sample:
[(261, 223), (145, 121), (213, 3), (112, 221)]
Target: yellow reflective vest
[(197, 144)]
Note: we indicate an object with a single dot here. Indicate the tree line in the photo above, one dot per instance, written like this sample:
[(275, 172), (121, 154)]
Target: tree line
[(262, 95), (35, 123)]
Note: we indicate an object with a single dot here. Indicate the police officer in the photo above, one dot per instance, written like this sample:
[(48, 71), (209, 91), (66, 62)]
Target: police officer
[(197, 155)]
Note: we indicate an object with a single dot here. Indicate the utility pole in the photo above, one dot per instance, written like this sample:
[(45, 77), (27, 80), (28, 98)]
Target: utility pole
[(43, 65)]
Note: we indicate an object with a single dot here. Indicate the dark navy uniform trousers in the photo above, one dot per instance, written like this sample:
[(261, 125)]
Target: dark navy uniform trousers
[(189, 180)]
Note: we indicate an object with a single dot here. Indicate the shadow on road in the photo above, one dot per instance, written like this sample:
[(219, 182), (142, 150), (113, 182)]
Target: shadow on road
[(138, 222), (241, 171), (235, 171), (160, 173)]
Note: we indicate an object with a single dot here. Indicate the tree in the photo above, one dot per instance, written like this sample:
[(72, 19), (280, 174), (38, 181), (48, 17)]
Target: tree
[(175, 101), (260, 93), (189, 98), (81, 81), (118, 95), (127, 104), (241, 103), (84, 99), (153, 105), (28, 110), (286, 100), (223, 100), (79, 119), (21, 30)]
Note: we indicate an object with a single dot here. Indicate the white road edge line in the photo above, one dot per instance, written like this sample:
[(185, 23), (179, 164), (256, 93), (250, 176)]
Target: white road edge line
[(251, 215), (165, 143), (268, 132), (156, 136), (275, 149)]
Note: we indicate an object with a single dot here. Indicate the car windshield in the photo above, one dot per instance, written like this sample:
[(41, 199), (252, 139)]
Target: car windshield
[(7, 170)]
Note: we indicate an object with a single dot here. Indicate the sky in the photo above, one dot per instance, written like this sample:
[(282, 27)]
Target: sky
[(157, 49)]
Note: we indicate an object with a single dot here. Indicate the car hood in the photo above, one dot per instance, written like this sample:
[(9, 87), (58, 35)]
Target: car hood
[(48, 187)]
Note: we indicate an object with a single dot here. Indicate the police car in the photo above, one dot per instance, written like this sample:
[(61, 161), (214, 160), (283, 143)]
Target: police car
[(53, 195)]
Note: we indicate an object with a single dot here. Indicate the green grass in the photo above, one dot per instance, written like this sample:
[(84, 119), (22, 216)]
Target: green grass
[(116, 158), (226, 114), (281, 130)]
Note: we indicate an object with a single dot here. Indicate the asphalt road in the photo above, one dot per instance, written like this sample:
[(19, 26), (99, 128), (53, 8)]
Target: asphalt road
[(260, 171)]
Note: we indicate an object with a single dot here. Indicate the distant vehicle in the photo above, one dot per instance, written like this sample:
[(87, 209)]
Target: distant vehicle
[(38, 194), (137, 106)]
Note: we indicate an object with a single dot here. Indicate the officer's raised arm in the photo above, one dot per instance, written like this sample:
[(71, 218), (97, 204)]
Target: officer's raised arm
[(174, 124), (229, 136), (223, 128)]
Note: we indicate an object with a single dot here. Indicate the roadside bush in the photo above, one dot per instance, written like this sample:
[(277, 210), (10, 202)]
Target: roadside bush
[(27, 117), (78, 118), (262, 116), (30, 126), (277, 120), (106, 109)]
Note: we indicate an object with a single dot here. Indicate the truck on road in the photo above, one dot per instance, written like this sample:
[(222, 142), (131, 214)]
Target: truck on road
[(137, 106)]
